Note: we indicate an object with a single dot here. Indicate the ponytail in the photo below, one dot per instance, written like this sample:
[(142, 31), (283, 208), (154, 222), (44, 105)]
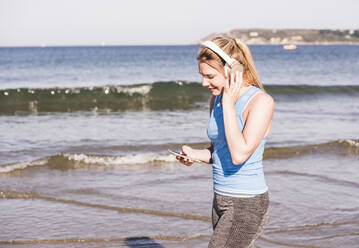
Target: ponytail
[(249, 67)]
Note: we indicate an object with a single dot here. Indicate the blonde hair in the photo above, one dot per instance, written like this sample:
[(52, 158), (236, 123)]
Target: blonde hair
[(237, 50)]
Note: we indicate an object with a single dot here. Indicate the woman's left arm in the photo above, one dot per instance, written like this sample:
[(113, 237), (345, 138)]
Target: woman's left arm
[(242, 144)]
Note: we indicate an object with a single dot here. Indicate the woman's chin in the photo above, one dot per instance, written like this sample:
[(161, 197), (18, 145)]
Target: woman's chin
[(213, 91)]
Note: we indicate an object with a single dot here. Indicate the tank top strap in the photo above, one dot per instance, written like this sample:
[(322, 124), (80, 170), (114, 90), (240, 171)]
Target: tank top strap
[(244, 99)]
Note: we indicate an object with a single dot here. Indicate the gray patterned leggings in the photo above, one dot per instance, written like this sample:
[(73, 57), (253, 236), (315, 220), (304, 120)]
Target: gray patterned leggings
[(238, 222)]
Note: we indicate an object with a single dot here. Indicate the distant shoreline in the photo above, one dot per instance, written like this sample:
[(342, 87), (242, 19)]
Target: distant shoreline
[(192, 44), (290, 36), (248, 36), (310, 44)]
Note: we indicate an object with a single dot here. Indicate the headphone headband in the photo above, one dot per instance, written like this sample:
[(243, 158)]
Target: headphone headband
[(215, 48)]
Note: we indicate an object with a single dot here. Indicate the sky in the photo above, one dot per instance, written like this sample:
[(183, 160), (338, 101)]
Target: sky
[(160, 22)]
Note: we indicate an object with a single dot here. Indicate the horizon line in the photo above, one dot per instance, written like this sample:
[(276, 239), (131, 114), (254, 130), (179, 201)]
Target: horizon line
[(158, 45), (89, 45)]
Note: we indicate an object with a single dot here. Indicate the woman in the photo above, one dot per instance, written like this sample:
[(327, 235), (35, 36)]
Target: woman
[(241, 114)]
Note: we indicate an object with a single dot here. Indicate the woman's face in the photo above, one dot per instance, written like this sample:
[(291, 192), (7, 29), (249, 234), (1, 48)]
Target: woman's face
[(212, 78)]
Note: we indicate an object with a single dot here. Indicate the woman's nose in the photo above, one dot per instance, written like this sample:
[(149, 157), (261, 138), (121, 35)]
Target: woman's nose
[(205, 82)]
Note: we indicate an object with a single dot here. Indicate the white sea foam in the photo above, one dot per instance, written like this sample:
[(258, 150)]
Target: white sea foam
[(143, 90), (143, 158), (351, 142), (131, 159), (22, 165)]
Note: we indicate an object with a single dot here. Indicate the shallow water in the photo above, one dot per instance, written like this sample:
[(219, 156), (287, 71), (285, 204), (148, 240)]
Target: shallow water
[(84, 134), (313, 204)]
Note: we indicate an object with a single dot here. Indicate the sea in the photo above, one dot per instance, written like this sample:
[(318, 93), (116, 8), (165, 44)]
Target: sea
[(85, 133)]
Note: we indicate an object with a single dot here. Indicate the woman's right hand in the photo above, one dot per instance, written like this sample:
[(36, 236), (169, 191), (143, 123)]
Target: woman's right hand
[(188, 151)]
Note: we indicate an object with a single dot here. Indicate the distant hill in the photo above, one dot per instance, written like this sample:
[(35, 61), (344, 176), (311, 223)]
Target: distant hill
[(291, 36)]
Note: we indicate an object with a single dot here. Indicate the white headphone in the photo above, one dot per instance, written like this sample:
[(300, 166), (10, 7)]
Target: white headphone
[(230, 62)]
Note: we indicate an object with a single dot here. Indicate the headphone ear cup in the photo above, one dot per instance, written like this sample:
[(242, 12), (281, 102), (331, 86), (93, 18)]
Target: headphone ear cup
[(237, 67)]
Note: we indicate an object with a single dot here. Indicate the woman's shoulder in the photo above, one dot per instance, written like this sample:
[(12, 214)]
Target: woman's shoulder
[(262, 99), (264, 96)]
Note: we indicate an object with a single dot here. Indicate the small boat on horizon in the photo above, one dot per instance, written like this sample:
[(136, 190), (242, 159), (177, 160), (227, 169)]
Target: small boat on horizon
[(289, 47)]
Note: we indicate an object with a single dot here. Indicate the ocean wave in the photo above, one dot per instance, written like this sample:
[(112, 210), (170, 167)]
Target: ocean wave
[(23, 165), (66, 161), (342, 147), (131, 159), (172, 95), (144, 97), (298, 92), (69, 161)]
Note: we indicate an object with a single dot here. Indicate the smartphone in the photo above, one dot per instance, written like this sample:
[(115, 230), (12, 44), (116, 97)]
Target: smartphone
[(182, 156)]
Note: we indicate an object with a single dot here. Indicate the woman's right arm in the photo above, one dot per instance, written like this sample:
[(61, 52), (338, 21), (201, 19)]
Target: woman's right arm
[(204, 155)]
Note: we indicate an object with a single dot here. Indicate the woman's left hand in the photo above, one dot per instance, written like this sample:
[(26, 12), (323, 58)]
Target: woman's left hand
[(232, 89)]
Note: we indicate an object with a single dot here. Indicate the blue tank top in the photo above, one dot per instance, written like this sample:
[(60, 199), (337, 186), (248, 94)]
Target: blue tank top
[(247, 179)]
